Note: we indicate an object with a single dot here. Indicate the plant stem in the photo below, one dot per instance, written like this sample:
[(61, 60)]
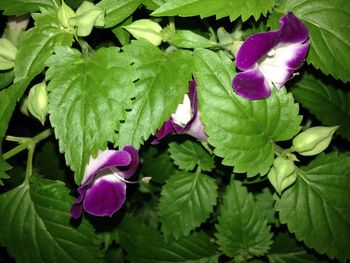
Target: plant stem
[(172, 24), (29, 169)]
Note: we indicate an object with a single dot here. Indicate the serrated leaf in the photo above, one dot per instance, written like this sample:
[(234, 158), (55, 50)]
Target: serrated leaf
[(186, 201), (144, 245), (330, 105), (286, 249), (118, 10), (158, 92), (220, 8), (157, 165), (86, 109), (242, 131), (242, 228), (37, 227), (188, 155), (316, 208), (4, 167), (20, 7), (265, 201), (37, 44), (329, 33)]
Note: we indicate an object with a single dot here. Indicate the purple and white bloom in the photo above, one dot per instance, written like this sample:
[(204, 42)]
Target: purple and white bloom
[(103, 188), (185, 120), (268, 59)]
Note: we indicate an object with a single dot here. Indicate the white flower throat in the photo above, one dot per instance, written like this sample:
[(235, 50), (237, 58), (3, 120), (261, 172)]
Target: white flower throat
[(183, 113)]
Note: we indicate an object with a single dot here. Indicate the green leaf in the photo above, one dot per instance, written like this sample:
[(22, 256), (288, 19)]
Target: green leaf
[(188, 39), (118, 10), (316, 208), (6, 78), (220, 8), (188, 155), (242, 228), (153, 4), (4, 167), (37, 44), (329, 33), (20, 7), (157, 165), (330, 105), (186, 201), (122, 34), (37, 226), (286, 249), (144, 245), (158, 91), (89, 105), (242, 131), (265, 201)]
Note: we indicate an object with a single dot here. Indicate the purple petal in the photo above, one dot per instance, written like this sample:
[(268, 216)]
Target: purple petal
[(165, 130), (105, 197), (192, 94), (195, 128), (131, 169), (292, 30), (251, 84)]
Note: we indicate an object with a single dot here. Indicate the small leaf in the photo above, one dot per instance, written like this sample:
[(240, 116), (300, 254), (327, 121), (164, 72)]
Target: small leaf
[(144, 245), (37, 226), (265, 201), (118, 10), (89, 105), (188, 155), (242, 228), (158, 92), (220, 8), (329, 33), (242, 131), (188, 39), (316, 208), (4, 167), (330, 105), (122, 35), (186, 201), (20, 7)]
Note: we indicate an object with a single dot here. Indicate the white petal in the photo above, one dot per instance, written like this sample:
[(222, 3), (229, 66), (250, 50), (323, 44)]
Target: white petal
[(183, 112)]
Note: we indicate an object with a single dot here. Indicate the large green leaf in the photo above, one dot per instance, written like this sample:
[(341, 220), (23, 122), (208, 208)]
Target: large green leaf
[(19, 7), (186, 201), (86, 108), (242, 229), (145, 245), (163, 81), (317, 209), (118, 10), (37, 226), (328, 24), (242, 131), (330, 105), (220, 8), (188, 155)]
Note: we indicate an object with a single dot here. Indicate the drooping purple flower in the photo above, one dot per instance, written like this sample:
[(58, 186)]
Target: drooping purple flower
[(269, 59), (185, 120), (103, 188)]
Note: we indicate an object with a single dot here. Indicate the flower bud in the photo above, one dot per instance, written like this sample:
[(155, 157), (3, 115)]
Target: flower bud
[(87, 16), (7, 54), (314, 140), (146, 29), (64, 14), (282, 174), (37, 102)]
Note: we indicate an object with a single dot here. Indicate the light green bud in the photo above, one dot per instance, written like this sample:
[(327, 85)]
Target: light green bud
[(7, 54), (282, 174), (87, 16), (146, 29), (314, 140), (64, 13), (37, 102)]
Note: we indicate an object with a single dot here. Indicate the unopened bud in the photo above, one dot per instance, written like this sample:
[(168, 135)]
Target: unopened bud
[(7, 54), (314, 140), (282, 174), (146, 29), (87, 16), (37, 102), (64, 14)]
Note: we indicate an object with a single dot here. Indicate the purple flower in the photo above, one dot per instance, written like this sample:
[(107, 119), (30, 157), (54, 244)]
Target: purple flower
[(269, 59), (185, 120), (103, 188)]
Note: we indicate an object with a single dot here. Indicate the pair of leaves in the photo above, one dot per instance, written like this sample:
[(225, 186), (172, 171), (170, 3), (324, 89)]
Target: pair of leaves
[(37, 225), (219, 8), (316, 208), (144, 244), (242, 131), (330, 105), (329, 33)]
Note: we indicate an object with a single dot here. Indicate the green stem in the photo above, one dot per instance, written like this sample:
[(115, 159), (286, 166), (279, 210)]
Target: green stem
[(15, 139), (29, 169), (23, 146), (172, 24), (42, 136)]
